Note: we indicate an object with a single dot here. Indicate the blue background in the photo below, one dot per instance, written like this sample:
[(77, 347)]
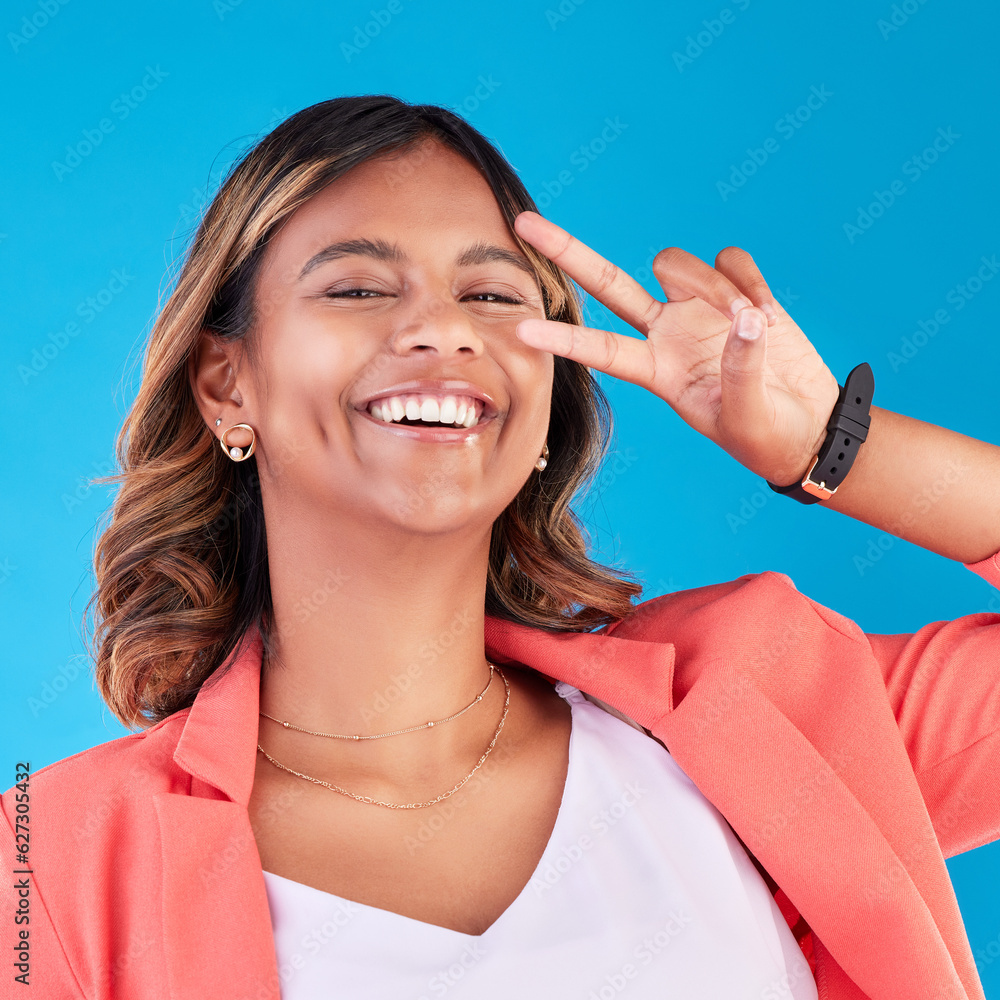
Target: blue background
[(213, 77)]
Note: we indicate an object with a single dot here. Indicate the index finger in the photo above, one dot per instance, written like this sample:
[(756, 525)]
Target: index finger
[(609, 284)]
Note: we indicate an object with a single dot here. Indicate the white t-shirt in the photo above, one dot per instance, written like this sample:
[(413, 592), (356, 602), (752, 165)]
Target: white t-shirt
[(642, 890)]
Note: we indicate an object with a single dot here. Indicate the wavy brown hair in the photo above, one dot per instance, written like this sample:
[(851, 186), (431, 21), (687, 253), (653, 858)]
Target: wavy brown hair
[(181, 563)]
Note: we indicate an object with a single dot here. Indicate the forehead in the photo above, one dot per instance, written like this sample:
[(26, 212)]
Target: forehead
[(427, 196)]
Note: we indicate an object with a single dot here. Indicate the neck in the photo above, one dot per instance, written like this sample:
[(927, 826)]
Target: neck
[(374, 632)]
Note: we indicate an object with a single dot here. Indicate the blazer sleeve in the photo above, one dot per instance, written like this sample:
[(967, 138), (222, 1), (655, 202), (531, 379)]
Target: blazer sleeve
[(943, 683), (50, 974)]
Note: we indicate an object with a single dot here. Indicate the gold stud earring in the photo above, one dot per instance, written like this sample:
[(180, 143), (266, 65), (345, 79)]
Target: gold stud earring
[(544, 459), (235, 453)]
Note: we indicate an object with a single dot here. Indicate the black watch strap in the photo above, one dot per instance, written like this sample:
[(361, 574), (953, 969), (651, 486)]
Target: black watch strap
[(847, 430)]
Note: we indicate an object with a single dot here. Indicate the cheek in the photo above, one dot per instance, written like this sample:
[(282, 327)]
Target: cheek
[(314, 358), (307, 369), (532, 372)]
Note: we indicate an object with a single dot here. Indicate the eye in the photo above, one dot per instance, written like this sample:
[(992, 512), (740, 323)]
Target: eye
[(498, 297), (349, 292), (358, 293)]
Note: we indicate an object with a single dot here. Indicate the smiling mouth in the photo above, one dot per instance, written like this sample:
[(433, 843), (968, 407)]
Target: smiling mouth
[(428, 410), (421, 430)]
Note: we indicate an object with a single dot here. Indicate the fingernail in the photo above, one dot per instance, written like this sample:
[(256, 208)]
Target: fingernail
[(772, 313), (748, 325), (737, 304)]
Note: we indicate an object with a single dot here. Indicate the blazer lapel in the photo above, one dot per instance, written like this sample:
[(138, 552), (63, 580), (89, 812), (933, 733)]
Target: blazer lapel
[(216, 920)]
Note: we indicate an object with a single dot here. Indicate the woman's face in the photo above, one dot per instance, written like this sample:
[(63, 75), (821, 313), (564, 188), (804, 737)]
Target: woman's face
[(427, 290)]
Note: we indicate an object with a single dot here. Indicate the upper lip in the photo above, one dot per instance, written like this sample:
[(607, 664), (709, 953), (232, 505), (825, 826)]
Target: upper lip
[(440, 386)]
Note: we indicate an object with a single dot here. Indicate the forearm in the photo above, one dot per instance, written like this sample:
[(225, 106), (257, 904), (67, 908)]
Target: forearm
[(931, 486)]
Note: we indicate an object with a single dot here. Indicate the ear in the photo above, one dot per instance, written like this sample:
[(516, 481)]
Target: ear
[(212, 367)]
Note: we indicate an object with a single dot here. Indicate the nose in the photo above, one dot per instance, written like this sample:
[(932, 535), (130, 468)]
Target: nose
[(438, 323)]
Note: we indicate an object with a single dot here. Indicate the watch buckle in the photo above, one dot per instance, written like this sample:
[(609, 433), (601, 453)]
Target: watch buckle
[(816, 489)]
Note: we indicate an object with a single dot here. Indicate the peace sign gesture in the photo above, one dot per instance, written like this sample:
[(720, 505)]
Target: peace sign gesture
[(765, 398)]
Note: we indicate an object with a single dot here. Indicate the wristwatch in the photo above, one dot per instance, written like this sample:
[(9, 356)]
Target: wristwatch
[(847, 430)]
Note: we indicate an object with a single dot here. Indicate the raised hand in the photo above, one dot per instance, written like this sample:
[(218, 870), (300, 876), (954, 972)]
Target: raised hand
[(759, 391)]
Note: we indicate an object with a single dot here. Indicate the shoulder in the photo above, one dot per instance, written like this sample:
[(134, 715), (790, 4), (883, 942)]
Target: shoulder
[(742, 609), (74, 797)]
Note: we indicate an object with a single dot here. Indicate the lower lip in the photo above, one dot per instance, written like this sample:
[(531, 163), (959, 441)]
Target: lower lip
[(442, 434)]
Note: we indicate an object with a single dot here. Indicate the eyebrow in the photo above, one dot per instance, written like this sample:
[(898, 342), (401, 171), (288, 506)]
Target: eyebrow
[(477, 253)]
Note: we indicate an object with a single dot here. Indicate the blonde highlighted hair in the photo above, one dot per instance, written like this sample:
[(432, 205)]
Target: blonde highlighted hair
[(181, 563)]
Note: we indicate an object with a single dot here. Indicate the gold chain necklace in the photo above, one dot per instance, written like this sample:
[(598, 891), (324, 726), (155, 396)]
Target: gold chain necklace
[(409, 805), (396, 732)]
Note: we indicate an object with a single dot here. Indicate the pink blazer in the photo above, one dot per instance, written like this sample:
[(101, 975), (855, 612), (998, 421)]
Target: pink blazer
[(849, 764)]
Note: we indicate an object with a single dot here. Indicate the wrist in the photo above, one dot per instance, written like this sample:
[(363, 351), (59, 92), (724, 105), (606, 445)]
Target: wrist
[(844, 434)]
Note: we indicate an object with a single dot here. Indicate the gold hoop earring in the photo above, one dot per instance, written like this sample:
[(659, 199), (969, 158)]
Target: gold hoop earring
[(544, 458), (235, 453)]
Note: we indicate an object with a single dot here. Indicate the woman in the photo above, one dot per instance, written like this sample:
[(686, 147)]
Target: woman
[(383, 751)]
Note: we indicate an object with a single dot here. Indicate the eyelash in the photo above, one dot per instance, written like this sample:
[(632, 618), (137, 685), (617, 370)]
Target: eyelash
[(345, 293)]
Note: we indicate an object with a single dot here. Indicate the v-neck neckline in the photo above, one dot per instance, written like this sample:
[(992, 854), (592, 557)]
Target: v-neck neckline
[(572, 696)]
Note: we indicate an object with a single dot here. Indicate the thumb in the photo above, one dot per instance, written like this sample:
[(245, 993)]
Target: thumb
[(745, 410)]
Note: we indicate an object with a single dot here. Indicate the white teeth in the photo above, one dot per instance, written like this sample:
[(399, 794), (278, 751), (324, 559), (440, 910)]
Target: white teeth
[(449, 406), (450, 411)]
